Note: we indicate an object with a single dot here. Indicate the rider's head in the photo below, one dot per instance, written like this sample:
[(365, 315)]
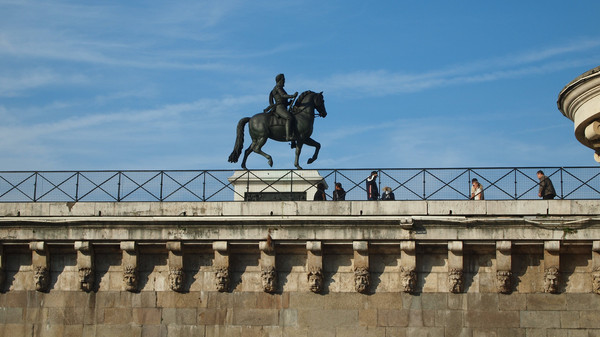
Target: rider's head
[(280, 78)]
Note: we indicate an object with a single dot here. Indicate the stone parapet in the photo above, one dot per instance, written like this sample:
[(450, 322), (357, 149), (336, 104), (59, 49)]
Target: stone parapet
[(158, 269)]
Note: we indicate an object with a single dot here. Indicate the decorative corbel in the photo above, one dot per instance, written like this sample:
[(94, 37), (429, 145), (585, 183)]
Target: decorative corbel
[(85, 265), (130, 265), (408, 266), (314, 266), (267, 266), (2, 267), (176, 273), (221, 265), (362, 275), (504, 266), (40, 261), (551, 266), (596, 267), (455, 266)]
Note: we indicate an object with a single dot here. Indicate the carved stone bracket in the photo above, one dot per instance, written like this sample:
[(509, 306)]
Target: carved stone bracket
[(362, 275), (40, 261), (176, 273), (455, 266), (221, 265), (267, 266), (408, 266), (2, 267), (85, 265), (314, 266), (504, 266), (596, 267), (551, 266), (130, 265)]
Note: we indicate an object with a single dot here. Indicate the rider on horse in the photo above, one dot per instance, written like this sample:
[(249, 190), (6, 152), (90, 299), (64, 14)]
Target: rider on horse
[(278, 100)]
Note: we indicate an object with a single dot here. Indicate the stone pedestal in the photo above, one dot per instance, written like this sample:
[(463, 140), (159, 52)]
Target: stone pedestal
[(275, 185)]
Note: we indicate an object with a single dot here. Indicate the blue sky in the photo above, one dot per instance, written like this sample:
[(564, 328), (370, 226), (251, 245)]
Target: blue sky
[(162, 85)]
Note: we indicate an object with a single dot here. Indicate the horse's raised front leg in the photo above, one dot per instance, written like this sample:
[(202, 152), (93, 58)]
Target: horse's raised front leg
[(317, 147), (298, 150), (258, 149)]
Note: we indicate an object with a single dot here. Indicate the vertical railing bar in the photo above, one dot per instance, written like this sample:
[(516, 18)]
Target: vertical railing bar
[(35, 186), (77, 187), (162, 174), (561, 183), (204, 186), (424, 196), (516, 187), (119, 188)]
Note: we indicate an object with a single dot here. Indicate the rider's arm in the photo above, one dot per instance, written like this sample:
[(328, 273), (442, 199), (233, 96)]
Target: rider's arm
[(284, 94)]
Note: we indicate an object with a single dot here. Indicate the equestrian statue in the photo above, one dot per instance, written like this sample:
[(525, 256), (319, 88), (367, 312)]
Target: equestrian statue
[(280, 123)]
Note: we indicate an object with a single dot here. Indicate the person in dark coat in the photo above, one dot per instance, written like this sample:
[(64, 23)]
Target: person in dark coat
[(339, 193), (372, 191), (546, 188), (320, 193)]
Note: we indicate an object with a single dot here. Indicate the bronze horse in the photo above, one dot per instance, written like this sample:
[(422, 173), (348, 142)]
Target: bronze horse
[(263, 126)]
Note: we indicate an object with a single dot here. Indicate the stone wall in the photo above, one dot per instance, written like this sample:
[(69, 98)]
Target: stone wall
[(388, 274)]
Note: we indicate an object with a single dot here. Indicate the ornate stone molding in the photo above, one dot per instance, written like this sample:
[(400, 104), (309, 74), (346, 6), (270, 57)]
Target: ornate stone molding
[(85, 265), (221, 265), (267, 265), (551, 280), (176, 270), (40, 259), (362, 276), (129, 265)]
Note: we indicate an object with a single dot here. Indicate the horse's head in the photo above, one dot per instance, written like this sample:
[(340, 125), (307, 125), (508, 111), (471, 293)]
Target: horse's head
[(320, 104)]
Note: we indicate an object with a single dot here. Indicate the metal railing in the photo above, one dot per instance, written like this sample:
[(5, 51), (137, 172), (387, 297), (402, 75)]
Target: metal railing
[(218, 185)]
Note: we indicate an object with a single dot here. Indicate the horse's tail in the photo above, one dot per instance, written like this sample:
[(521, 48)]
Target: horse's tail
[(239, 141)]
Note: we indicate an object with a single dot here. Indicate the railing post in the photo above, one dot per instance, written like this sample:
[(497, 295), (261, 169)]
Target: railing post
[(204, 186), (162, 173), (35, 187), (515, 175), (424, 195), (119, 188), (77, 187), (561, 183)]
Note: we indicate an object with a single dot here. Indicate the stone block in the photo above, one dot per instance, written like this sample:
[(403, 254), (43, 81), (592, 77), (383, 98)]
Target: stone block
[(367, 317), (434, 301), (425, 332), (375, 301), (185, 330), (457, 301), (360, 331), (589, 319), (155, 330), (392, 317), (490, 319), (512, 301), (449, 318), (288, 317), (119, 330), (223, 331), (11, 315), (210, 316), (569, 319), (146, 316), (584, 301), (327, 318), (510, 332), (117, 315), (484, 333), (14, 299), (458, 331), (144, 299), (482, 302), (307, 301), (73, 330), (540, 319), (546, 302), (186, 316), (258, 317)]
